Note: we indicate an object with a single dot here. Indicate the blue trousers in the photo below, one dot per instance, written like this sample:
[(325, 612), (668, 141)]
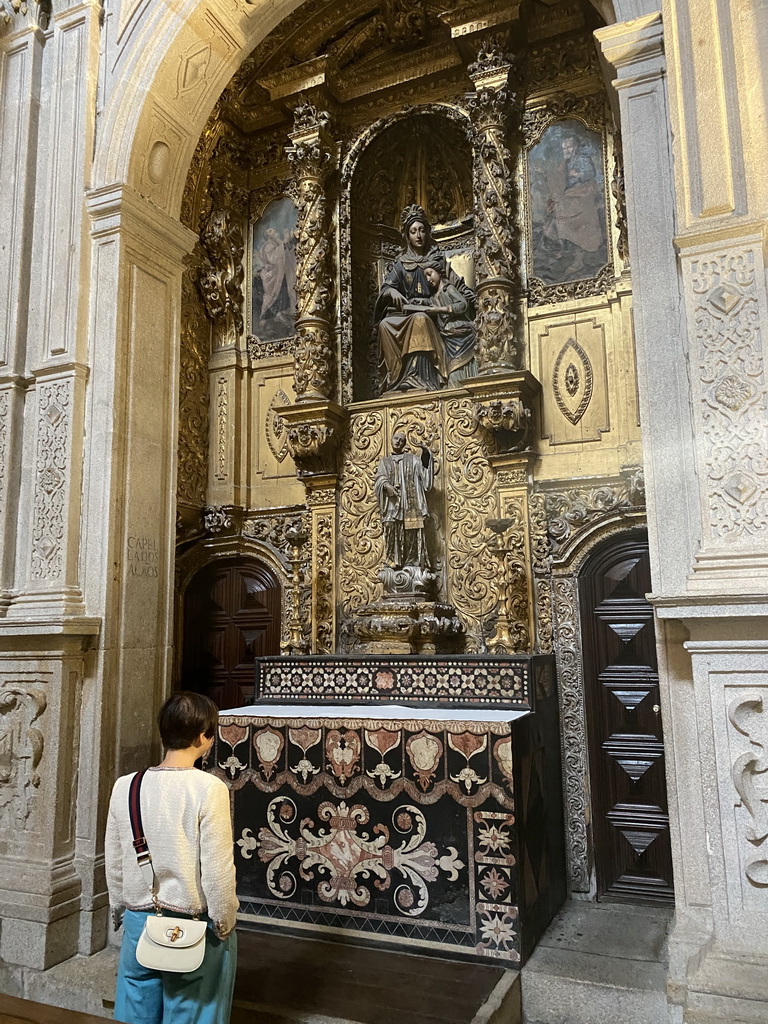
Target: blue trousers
[(203, 996)]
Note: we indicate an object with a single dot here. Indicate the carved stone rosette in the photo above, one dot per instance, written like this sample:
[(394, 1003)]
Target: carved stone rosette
[(312, 155), (492, 106)]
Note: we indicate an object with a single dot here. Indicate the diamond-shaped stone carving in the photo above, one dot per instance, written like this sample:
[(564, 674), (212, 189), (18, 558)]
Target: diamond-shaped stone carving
[(725, 298), (53, 414), (740, 487), (193, 68), (47, 547)]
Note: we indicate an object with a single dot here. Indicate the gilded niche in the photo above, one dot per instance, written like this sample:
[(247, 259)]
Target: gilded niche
[(410, 226)]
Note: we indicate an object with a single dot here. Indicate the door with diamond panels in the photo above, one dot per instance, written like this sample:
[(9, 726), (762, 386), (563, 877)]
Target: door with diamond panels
[(633, 859)]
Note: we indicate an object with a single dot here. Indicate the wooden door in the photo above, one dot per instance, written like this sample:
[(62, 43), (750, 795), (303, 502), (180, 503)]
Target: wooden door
[(232, 614), (633, 858)]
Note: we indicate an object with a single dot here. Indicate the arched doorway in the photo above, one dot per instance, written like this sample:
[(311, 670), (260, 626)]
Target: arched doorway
[(231, 615), (633, 859)]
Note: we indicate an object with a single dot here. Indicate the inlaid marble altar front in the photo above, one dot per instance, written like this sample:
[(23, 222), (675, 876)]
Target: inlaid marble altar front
[(435, 828)]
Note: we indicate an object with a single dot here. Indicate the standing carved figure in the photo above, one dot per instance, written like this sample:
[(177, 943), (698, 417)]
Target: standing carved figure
[(401, 485)]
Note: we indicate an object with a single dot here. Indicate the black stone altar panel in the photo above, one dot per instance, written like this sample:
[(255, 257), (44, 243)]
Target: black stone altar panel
[(397, 829), (485, 680)]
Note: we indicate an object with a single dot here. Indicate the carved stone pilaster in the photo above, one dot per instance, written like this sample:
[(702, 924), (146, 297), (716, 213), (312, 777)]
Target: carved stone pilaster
[(221, 275), (314, 433), (493, 106), (312, 155)]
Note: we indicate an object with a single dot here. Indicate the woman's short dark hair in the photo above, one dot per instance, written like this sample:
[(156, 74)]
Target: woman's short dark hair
[(184, 716)]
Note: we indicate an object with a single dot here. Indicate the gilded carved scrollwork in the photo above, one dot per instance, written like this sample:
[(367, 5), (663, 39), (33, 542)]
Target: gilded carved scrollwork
[(573, 727), (473, 584), (509, 546), (323, 591), (618, 191), (509, 420), (222, 272), (361, 535), (193, 392), (497, 264), (571, 511), (540, 565), (313, 432), (274, 530), (312, 157)]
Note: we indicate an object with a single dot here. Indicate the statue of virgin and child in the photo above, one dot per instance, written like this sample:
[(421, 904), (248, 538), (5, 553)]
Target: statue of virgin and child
[(424, 315)]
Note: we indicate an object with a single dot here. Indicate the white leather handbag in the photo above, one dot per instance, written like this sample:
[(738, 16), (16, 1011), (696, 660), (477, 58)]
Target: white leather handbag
[(166, 943), (171, 944)]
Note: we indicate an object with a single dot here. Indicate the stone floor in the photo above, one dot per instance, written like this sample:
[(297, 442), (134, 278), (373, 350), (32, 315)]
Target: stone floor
[(597, 964), (600, 963)]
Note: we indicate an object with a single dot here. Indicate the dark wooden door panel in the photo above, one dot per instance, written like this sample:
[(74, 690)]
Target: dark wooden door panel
[(631, 822), (232, 614)]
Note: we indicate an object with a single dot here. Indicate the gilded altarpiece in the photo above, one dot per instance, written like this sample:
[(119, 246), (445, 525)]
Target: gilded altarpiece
[(463, 498), (439, 117)]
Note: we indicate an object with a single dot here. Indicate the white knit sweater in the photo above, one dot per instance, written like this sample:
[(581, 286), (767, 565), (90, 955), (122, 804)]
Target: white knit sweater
[(187, 824)]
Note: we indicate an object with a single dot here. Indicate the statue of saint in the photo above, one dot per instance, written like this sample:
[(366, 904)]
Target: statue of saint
[(401, 485), (414, 351)]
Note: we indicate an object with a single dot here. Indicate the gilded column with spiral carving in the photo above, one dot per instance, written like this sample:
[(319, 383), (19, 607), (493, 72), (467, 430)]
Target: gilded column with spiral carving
[(494, 106), (312, 154)]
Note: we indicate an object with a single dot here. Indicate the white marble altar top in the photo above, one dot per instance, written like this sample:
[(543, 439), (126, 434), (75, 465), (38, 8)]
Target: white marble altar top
[(395, 712)]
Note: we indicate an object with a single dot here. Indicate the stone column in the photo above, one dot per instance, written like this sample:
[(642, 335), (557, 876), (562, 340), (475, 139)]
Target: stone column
[(129, 500), (46, 577), (699, 321), (312, 154), (22, 39), (494, 107)]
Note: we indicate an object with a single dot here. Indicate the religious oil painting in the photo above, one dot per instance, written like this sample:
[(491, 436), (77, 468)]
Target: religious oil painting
[(567, 198), (273, 272)]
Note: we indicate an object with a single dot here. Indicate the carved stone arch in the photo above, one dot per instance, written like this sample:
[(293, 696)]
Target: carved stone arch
[(566, 618), (355, 299)]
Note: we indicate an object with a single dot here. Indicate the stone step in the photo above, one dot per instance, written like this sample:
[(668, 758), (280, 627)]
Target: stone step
[(599, 964)]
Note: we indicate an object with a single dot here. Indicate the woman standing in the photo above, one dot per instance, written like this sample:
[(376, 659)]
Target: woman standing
[(187, 825)]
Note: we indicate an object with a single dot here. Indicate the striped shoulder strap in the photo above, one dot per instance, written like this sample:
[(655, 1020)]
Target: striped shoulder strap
[(143, 856)]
